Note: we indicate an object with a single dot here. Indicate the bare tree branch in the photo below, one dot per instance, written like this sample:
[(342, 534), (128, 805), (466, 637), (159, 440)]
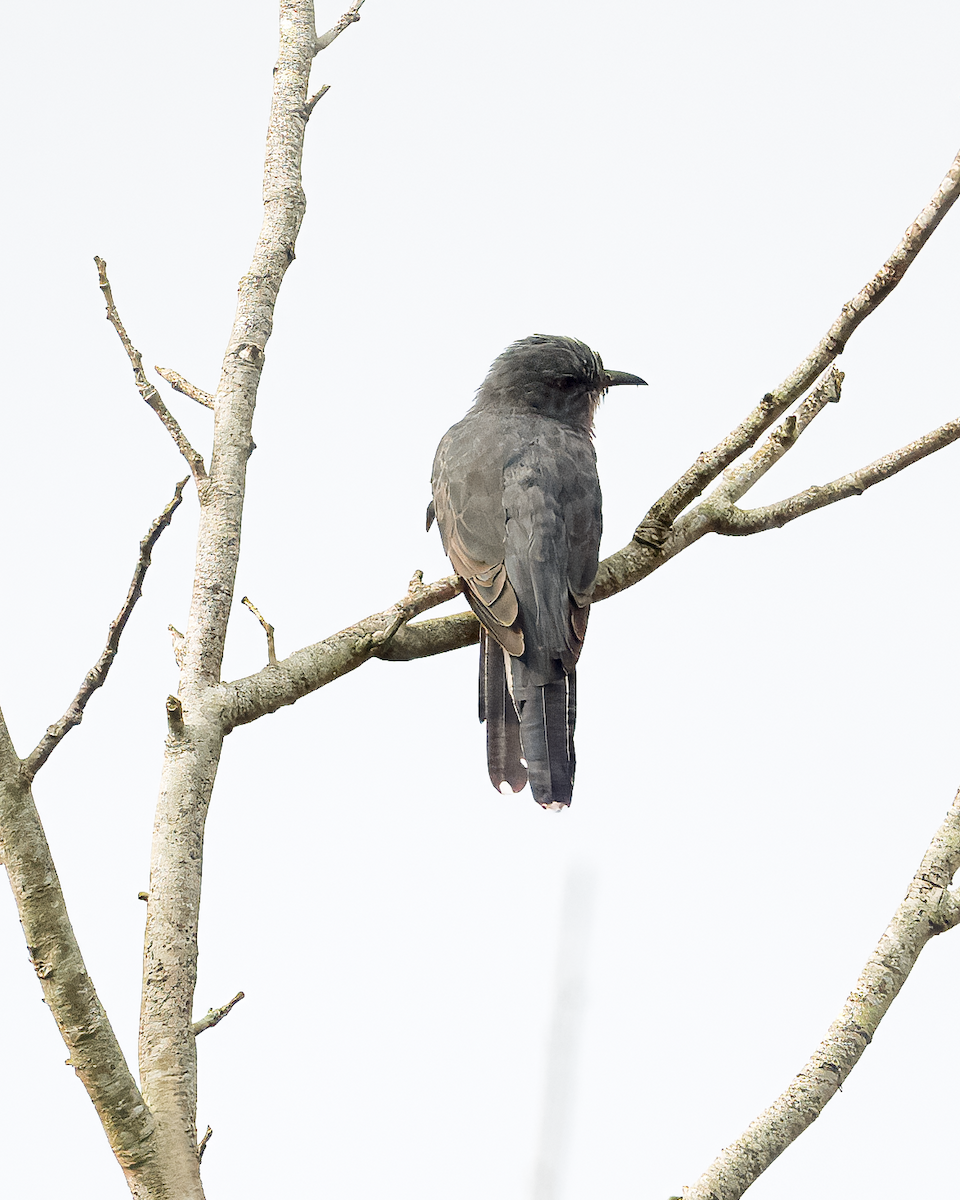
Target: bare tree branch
[(730, 520), (215, 1015), (179, 384), (422, 639), (196, 724), (144, 386), (388, 635), (738, 480), (267, 628), (350, 17), (710, 464), (311, 668), (929, 908), (97, 674), (659, 537), (717, 515), (69, 993)]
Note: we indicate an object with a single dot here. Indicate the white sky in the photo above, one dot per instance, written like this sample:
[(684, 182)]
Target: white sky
[(767, 734)]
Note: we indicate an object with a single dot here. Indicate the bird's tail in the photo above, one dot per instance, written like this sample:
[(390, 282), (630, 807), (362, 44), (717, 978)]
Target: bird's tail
[(497, 710), (548, 716)]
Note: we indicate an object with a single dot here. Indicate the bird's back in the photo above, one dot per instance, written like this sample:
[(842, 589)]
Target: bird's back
[(520, 490)]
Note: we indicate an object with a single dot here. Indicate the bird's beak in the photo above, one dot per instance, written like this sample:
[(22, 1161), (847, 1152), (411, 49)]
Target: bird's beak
[(614, 378)]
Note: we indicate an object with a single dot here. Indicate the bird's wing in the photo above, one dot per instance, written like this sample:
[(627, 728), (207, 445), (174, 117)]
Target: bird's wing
[(468, 503), (518, 505), (551, 498)]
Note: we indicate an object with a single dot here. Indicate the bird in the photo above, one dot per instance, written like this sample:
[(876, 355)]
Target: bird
[(517, 500)]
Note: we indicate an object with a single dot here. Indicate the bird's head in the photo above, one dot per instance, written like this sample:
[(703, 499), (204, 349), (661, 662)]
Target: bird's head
[(556, 376)]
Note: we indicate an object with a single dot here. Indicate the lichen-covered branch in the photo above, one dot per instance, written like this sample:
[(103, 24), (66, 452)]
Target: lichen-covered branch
[(313, 667), (146, 389), (389, 636), (68, 990), (726, 518), (929, 908), (97, 674), (663, 533), (711, 463), (738, 480)]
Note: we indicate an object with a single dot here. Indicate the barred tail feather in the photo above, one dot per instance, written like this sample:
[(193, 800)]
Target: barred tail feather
[(498, 711), (547, 721)]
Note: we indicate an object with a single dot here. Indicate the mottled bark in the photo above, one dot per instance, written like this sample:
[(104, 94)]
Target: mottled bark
[(68, 990), (197, 715), (929, 908), (153, 1132)]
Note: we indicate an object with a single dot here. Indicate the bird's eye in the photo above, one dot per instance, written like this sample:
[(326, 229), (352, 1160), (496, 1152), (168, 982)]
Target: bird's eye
[(566, 382)]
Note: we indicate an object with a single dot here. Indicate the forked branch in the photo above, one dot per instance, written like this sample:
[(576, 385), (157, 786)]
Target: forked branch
[(388, 635), (727, 518), (144, 386), (712, 462), (660, 536), (738, 480)]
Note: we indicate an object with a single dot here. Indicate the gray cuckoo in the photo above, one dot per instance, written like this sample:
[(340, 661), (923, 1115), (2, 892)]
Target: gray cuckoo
[(517, 500)]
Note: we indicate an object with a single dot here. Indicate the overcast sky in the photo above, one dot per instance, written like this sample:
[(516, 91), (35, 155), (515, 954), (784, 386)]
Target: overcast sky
[(767, 733)]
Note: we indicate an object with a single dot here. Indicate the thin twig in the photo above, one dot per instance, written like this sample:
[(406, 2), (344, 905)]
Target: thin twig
[(215, 1015), (712, 462), (176, 637), (350, 17), (306, 670), (179, 384), (311, 104), (96, 676), (267, 628), (929, 908), (144, 386), (203, 1143)]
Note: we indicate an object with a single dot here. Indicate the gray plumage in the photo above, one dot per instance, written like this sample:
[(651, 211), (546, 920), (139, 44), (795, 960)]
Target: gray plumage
[(517, 500)]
